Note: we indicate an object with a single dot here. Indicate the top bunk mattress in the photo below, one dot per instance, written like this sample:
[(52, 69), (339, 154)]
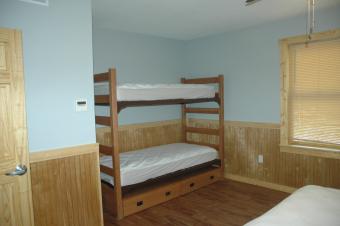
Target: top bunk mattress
[(145, 92), (142, 165), (308, 206)]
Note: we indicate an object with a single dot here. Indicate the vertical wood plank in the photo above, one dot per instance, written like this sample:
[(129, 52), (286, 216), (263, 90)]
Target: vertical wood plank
[(66, 191)]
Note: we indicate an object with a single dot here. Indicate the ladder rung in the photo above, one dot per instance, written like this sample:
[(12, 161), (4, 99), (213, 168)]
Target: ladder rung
[(102, 99), (215, 132), (102, 77), (202, 110), (106, 150), (103, 120), (215, 146), (201, 80), (107, 170)]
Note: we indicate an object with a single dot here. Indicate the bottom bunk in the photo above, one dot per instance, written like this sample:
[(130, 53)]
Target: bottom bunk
[(154, 175)]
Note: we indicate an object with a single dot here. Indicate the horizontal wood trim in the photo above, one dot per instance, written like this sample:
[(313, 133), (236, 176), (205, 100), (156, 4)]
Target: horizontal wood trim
[(103, 120), (102, 99), (102, 77), (106, 150), (148, 124), (260, 183), (215, 146), (202, 110), (330, 34), (201, 80), (240, 123), (142, 103), (63, 152), (107, 170), (208, 131), (311, 151)]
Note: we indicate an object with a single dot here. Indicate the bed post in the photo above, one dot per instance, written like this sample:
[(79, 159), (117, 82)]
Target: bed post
[(221, 121), (118, 203), (184, 119)]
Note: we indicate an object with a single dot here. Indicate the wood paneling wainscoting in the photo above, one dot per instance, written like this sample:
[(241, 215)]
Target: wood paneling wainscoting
[(66, 184), (244, 141), (138, 136), (66, 187)]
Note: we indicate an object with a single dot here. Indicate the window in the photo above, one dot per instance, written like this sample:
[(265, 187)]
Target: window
[(310, 94)]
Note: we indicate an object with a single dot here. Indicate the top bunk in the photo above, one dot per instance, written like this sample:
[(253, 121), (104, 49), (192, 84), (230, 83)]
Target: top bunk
[(133, 95)]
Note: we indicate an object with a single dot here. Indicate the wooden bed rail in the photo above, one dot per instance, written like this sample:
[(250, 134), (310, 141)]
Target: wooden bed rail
[(218, 111), (210, 80), (102, 77)]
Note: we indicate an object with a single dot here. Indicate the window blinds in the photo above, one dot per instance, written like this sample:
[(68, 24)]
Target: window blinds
[(314, 94)]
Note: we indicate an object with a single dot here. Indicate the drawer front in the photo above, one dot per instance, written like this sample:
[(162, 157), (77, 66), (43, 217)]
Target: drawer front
[(199, 181), (145, 200)]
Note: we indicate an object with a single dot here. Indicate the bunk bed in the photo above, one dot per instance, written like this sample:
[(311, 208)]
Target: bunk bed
[(136, 180)]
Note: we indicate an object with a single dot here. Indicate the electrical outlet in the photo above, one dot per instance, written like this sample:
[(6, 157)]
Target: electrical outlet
[(260, 159)]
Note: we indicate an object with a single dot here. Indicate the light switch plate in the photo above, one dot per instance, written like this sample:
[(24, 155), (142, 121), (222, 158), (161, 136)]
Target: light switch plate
[(81, 104)]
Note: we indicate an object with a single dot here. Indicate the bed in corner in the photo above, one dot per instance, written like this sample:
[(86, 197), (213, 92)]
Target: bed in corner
[(135, 180)]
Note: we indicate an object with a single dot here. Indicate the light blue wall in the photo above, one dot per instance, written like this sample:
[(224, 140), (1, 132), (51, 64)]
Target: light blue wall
[(57, 43), (139, 59), (249, 60)]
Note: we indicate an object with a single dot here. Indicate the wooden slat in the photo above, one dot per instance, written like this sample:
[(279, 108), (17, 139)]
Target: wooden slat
[(125, 104), (202, 110), (107, 170), (103, 120), (106, 150), (201, 80), (203, 131), (118, 199), (184, 118), (215, 146), (221, 120), (102, 99), (102, 77)]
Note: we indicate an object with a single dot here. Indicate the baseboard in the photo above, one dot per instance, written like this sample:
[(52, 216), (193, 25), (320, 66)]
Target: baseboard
[(63, 152), (260, 183)]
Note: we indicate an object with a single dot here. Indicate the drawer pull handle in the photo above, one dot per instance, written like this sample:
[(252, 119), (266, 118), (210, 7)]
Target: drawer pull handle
[(192, 185), (212, 177), (167, 193), (139, 203)]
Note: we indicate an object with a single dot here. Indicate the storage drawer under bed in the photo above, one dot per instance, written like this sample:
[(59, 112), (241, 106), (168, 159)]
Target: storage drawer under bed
[(146, 198)]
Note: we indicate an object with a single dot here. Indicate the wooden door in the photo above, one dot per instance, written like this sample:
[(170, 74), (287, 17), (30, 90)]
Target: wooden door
[(15, 188)]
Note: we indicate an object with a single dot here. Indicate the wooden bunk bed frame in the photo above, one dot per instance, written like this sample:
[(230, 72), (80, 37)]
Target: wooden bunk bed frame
[(121, 205)]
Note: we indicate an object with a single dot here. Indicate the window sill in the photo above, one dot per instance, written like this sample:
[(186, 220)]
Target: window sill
[(311, 151)]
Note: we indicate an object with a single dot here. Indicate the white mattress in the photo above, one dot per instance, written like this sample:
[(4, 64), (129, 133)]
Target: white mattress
[(139, 166), (308, 206), (135, 92)]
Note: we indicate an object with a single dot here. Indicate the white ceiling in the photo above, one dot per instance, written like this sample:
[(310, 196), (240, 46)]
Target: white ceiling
[(189, 19)]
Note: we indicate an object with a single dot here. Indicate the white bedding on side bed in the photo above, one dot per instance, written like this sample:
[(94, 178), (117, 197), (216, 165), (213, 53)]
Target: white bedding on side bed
[(139, 166), (135, 92), (308, 206)]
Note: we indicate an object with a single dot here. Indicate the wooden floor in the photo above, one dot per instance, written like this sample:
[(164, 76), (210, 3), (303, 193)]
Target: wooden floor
[(222, 203)]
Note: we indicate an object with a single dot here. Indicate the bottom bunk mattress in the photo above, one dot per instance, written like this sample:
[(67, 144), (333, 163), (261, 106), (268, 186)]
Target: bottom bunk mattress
[(308, 206), (145, 164)]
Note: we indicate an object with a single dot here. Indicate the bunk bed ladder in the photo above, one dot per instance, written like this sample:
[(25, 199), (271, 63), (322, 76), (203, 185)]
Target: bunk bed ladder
[(217, 111), (112, 121)]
